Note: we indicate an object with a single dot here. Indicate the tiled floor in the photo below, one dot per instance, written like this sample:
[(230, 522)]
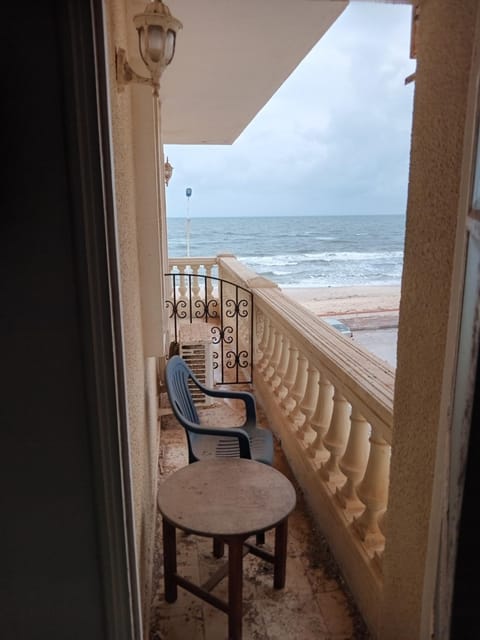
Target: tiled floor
[(315, 604)]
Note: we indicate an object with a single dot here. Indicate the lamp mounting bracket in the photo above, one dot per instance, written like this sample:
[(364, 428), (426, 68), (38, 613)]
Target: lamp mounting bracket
[(125, 73)]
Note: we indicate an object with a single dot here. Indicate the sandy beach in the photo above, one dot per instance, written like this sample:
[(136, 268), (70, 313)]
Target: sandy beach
[(363, 307)]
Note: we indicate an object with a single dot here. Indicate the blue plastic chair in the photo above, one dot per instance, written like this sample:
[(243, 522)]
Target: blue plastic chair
[(246, 441)]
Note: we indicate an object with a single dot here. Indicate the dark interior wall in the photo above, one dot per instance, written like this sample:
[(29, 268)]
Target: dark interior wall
[(465, 622), (49, 577)]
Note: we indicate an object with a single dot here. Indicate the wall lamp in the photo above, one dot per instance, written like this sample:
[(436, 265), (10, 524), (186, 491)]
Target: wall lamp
[(157, 33), (167, 171)]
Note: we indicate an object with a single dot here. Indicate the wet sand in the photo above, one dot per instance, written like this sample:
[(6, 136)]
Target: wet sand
[(367, 307), (347, 301), (370, 312)]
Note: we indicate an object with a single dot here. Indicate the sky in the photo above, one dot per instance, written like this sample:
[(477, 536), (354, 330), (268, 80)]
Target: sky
[(333, 140)]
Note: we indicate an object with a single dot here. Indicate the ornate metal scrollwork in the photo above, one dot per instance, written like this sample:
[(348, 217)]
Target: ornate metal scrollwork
[(234, 308), (196, 304), (234, 360), (205, 309), (178, 309)]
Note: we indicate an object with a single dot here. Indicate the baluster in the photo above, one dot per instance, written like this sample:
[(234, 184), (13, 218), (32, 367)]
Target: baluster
[(322, 418), (309, 402), (373, 491), (270, 372), (336, 439), (279, 388), (169, 288), (264, 362), (195, 287), (261, 336), (174, 280), (182, 286), (208, 281), (244, 322), (298, 390), (378, 553), (290, 377), (354, 461)]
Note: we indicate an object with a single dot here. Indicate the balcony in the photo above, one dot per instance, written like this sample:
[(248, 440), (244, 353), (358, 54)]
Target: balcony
[(328, 402), (315, 602)]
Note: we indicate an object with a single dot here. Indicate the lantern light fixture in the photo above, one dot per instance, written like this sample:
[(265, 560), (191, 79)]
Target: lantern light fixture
[(168, 171), (157, 32)]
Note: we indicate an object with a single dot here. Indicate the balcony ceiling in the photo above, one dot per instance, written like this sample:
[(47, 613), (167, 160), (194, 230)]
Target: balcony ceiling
[(230, 59)]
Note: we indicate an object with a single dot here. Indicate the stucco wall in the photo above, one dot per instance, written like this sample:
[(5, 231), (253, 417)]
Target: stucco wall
[(444, 54), (143, 443)]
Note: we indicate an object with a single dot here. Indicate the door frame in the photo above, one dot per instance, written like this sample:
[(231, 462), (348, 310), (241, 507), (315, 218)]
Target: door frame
[(89, 156)]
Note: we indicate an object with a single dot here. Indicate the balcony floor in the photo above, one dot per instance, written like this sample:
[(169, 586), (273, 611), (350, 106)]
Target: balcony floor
[(315, 604)]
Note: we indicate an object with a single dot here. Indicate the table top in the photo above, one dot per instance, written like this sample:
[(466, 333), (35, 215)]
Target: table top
[(222, 497)]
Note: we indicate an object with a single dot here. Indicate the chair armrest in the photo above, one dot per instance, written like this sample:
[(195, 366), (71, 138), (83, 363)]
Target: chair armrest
[(248, 399)]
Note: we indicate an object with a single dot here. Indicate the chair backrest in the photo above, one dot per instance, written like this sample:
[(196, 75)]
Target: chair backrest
[(177, 375)]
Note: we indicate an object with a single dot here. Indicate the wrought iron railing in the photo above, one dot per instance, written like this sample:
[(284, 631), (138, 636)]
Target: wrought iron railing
[(228, 310)]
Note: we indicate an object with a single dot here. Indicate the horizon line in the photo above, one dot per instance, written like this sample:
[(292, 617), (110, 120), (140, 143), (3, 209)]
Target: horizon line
[(281, 215)]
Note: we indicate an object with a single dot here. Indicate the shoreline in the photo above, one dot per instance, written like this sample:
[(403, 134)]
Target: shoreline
[(363, 307)]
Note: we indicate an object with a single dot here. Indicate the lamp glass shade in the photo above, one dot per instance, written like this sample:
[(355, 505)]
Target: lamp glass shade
[(169, 46), (155, 44)]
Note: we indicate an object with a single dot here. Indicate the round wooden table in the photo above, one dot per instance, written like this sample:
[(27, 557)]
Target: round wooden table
[(228, 500)]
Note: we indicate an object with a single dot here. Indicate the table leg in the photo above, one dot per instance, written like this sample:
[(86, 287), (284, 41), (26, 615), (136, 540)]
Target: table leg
[(280, 562), (169, 560), (235, 580), (218, 548)]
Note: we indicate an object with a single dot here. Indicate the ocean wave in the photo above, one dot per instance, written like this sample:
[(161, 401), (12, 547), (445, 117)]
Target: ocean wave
[(271, 261), (303, 251), (324, 256), (309, 283)]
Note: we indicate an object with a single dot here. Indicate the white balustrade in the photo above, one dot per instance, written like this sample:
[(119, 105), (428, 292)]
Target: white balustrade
[(189, 274), (331, 404)]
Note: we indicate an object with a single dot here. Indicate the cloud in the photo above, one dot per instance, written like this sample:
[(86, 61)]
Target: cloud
[(333, 139)]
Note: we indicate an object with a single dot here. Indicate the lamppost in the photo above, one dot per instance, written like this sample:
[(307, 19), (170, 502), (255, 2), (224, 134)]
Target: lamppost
[(188, 193)]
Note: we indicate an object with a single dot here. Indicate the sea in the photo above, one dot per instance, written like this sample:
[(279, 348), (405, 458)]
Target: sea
[(300, 251)]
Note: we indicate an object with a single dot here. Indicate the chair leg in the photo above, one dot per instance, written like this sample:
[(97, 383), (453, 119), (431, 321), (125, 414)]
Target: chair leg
[(261, 538), (218, 548)]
